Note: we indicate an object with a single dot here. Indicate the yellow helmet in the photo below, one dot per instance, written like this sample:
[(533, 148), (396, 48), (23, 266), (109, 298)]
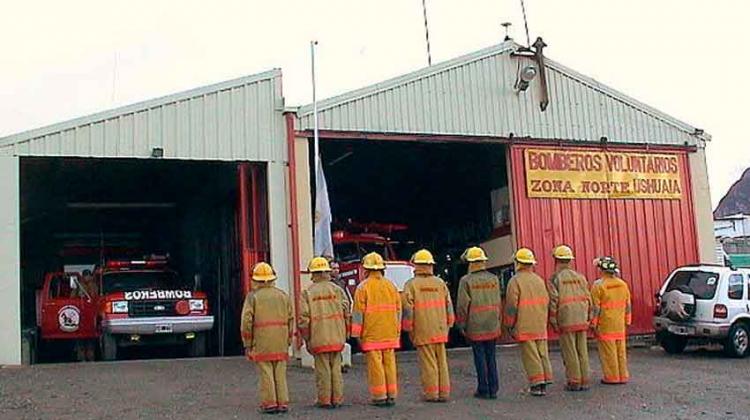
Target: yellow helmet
[(318, 265), (474, 254), (422, 256), (562, 252), (263, 272), (373, 261), (525, 256)]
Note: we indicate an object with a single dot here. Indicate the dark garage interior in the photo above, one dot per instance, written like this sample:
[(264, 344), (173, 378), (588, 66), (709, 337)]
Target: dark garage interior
[(82, 212)]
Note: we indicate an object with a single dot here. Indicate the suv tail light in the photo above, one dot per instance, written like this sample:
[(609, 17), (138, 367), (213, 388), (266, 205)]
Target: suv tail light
[(720, 311), (182, 307)]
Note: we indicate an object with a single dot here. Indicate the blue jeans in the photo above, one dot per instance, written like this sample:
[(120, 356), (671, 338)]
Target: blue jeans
[(486, 365)]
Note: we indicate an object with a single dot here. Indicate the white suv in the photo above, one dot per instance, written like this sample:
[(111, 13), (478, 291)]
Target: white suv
[(704, 303)]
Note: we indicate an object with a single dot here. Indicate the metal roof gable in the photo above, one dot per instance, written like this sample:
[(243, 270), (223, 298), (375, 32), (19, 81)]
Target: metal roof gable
[(586, 109)]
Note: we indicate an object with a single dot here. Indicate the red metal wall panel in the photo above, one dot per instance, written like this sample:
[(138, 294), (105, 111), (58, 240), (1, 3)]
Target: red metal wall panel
[(649, 238)]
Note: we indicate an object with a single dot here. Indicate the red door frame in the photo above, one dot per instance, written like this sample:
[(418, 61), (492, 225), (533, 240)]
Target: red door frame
[(251, 212)]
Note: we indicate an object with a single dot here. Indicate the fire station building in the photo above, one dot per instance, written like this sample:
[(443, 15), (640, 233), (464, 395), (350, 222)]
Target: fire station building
[(501, 147)]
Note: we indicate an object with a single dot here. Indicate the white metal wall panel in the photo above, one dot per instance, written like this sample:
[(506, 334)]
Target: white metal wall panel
[(10, 281), (278, 225), (236, 120), (474, 95)]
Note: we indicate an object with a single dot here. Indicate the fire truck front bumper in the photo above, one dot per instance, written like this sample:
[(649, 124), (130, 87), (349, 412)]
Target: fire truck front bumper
[(158, 325)]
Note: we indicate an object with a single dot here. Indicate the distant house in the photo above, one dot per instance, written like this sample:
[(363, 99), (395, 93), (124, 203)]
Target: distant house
[(733, 226)]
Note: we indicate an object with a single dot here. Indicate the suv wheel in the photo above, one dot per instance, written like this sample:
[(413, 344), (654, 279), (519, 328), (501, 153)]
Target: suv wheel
[(738, 341), (672, 344), (109, 347)]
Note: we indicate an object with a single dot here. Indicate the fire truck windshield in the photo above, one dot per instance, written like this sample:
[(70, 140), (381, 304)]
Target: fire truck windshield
[(353, 251), (140, 280)]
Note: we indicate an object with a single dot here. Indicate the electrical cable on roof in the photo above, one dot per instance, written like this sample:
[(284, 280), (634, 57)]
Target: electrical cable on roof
[(526, 24)]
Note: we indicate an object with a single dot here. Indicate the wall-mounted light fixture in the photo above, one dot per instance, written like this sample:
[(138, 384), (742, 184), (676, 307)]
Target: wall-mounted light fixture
[(525, 76)]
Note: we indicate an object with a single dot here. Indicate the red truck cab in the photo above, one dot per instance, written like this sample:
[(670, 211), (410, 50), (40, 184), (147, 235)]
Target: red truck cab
[(137, 302)]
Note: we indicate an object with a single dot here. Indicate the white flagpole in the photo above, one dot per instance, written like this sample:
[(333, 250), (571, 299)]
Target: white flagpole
[(315, 108)]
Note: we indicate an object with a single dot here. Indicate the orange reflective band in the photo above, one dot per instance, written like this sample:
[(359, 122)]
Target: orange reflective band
[(533, 302), (392, 388), (483, 336), (268, 324), (484, 308), (531, 336), (246, 335), (268, 404), (615, 304), (509, 321), (330, 348), (381, 345), (436, 303), (611, 336), (438, 339), (574, 328), (407, 325), (451, 319), (377, 390), (595, 321), (573, 299), (356, 329), (269, 357), (435, 389), (385, 307), (536, 378), (611, 379), (336, 316)]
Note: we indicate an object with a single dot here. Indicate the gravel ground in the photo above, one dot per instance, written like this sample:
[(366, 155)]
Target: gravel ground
[(699, 384)]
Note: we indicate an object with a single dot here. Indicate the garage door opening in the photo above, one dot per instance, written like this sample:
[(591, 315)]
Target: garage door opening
[(91, 214), (442, 196)]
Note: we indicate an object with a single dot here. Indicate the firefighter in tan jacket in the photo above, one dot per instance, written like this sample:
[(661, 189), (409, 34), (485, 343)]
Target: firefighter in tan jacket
[(427, 316), (526, 312), (569, 306), (324, 325), (376, 323), (266, 329), (479, 317)]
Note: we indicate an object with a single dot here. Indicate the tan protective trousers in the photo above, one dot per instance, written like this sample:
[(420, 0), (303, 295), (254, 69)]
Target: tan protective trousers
[(535, 359), (433, 370), (272, 384), (575, 354), (328, 378), (613, 355), (381, 374)]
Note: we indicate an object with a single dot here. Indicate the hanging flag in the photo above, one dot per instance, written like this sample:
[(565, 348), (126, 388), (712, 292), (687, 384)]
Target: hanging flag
[(323, 242)]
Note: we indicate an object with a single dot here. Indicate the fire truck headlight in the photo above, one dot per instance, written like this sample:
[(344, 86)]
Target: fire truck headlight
[(196, 304), (120, 307)]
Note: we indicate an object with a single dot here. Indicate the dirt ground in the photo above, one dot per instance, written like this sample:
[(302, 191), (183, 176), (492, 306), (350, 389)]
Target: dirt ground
[(699, 384)]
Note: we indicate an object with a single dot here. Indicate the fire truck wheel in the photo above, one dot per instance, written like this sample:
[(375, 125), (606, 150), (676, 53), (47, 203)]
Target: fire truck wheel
[(197, 347), (108, 347)]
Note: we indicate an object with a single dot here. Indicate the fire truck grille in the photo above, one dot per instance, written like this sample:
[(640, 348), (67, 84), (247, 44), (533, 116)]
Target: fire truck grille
[(151, 308)]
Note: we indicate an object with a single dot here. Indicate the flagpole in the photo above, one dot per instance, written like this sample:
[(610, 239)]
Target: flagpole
[(316, 138)]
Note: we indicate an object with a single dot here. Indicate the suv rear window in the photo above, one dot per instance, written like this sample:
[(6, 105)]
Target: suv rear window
[(702, 284)]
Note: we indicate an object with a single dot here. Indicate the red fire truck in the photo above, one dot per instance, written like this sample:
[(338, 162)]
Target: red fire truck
[(351, 247), (139, 302)]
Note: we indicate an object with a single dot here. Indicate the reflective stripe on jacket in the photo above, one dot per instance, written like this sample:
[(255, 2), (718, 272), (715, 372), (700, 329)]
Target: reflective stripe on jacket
[(611, 312), (376, 317), (324, 317), (569, 301), (526, 307), (428, 310), (479, 306), (267, 324)]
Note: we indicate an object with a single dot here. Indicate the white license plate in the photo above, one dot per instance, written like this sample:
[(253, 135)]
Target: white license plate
[(163, 329), (681, 330)]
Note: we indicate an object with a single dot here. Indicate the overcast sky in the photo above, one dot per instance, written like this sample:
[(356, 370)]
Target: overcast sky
[(63, 59)]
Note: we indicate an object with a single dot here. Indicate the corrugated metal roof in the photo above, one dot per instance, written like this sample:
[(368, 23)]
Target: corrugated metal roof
[(474, 95), (240, 119)]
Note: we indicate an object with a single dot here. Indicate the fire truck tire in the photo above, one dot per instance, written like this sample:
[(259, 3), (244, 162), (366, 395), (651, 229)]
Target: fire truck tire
[(108, 347), (197, 347)]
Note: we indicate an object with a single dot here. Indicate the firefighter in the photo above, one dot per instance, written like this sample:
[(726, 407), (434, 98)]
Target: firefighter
[(610, 317), (376, 323), (324, 325), (526, 312), (266, 329), (427, 316), (479, 317), (569, 305)]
